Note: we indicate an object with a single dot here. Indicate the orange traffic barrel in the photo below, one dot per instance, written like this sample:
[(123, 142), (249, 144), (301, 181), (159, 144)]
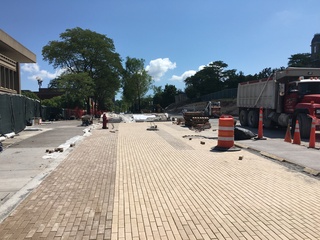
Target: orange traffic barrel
[(226, 133)]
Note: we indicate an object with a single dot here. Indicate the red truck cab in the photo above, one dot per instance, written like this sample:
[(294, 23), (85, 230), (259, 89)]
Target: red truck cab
[(302, 99)]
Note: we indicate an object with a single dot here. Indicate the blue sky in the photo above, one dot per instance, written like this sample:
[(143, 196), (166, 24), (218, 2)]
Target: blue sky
[(174, 37)]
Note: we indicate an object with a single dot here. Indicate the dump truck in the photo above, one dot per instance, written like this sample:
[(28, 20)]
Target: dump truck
[(286, 96)]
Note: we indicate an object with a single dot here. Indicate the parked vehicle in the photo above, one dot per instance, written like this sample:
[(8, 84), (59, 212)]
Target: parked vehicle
[(286, 96)]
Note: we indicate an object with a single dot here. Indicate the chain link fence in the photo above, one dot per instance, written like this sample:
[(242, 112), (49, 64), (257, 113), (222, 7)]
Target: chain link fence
[(224, 94)]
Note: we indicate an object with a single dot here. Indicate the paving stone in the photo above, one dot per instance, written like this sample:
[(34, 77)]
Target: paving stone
[(138, 184)]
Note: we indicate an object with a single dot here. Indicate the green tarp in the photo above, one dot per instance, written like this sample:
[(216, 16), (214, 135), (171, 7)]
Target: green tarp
[(16, 112)]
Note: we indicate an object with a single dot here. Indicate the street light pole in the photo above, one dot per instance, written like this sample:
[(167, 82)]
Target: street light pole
[(39, 79)]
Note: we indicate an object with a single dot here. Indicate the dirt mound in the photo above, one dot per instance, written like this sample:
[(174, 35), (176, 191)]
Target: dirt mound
[(228, 106)]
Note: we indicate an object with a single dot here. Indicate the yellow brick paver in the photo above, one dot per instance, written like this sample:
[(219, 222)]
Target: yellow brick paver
[(131, 183)]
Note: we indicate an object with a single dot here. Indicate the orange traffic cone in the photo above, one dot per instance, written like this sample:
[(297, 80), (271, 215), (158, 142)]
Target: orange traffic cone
[(312, 140), (260, 126), (288, 137), (296, 136)]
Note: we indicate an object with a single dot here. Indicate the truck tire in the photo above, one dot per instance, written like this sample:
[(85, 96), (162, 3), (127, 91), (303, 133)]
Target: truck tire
[(243, 118), (253, 118), (268, 123), (304, 125)]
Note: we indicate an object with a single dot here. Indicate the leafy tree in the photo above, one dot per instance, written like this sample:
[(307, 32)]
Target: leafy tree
[(191, 92), (56, 102), (136, 82), (165, 97), (265, 73), (231, 79), (157, 95), (208, 80), (86, 51), (120, 106), (147, 103), (300, 60), (78, 88), (168, 96), (30, 94), (215, 77)]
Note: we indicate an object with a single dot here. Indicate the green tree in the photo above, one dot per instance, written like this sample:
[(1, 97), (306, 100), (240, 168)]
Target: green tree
[(136, 82), (56, 102), (120, 106), (86, 51), (265, 73), (191, 92), (30, 94), (165, 97), (147, 103), (300, 60), (233, 79), (78, 87), (168, 96), (208, 80), (157, 95)]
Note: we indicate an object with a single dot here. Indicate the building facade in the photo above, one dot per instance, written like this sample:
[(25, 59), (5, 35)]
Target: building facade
[(48, 93), (12, 53), (315, 50)]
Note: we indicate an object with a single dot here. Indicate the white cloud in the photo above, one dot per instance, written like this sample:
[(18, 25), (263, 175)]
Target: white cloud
[(158, 67), (187, 74), (202, 67), (30, 67), (34, 70), (183, 76)]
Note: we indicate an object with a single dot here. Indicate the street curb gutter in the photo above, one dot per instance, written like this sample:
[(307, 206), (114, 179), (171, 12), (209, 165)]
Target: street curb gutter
[(311, 171), (239, 145), (269, 155)]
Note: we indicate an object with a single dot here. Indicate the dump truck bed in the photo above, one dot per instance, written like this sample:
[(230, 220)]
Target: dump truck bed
[(256, 94)]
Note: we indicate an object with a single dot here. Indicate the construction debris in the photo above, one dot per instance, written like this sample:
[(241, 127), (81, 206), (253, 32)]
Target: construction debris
[(153, 127)]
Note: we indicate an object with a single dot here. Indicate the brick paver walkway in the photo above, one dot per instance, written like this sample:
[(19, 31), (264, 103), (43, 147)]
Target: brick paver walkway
[(137, 184)]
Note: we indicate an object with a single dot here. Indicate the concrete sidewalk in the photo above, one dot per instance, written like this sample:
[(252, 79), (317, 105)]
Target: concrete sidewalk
[(131, 183)]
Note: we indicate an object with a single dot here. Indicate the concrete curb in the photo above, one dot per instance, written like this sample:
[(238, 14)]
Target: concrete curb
[(311, 171), (275, 157)]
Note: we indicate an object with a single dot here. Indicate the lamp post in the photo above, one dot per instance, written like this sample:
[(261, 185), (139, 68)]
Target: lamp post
[(39, 79)]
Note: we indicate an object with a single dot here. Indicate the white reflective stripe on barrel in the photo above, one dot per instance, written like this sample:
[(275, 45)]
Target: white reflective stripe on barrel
[(226, 138), (226, 128)]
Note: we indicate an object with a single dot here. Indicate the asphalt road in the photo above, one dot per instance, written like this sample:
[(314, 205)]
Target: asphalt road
[(278, 133)]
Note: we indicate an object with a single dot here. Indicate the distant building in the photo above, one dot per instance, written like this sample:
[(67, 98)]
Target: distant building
[(315, 50), (12, 53), (47, 93)]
